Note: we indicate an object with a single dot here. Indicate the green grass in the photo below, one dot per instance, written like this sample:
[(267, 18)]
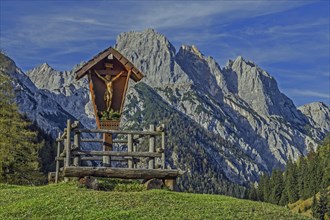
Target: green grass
[(67, 201)]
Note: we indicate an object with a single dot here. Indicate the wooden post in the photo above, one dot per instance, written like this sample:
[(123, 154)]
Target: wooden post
[(163, 146), (134, 150), (68, 143), (130, 149), (66, 179), (76, 143), (58, 155), (107, 146), (151, 147)]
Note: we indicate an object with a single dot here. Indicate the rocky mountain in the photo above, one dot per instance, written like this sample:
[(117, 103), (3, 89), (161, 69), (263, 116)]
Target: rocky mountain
[(225, 125), (63, 89), (318, 115)]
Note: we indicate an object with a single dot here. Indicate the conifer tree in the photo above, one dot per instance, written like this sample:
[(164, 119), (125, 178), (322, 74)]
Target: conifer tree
[(314, 207), (264, 189), (291, 182), (320, 206), (276, 181), (324, 152), (303, 183), (253, 193), (284, 198), (18, 149)]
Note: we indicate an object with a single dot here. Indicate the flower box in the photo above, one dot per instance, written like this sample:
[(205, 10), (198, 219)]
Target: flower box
[(109, 124)]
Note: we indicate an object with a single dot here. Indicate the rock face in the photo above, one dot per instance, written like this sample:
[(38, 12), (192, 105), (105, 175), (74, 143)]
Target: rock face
[(318, 115), (63, 89), (225, 125), (51, 100), (259, 90)]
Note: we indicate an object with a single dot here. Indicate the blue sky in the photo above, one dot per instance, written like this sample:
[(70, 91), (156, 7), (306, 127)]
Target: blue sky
[(289, 39)]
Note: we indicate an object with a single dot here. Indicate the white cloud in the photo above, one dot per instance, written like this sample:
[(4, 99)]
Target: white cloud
[(309, 93), (78, 23), (66, 30)]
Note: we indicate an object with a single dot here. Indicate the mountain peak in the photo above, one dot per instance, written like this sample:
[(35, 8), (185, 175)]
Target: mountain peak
[(241, 61), (151, 30), (192, 49), (44, 68), (44, 65), (316, 104), (259, 89), (318, 114), (153, 54)]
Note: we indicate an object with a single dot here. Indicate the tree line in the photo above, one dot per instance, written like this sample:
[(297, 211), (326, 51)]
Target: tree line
[(25, 154), (302, 179)]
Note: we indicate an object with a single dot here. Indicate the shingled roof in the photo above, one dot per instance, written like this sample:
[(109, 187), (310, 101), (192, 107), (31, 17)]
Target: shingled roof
[(136, 75)]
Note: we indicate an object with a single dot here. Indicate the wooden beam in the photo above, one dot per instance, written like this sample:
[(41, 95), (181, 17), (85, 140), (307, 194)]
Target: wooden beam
[(107, 146), (124, 93), (152, 143), (91, 89), (124, 173), (82, 71), (136, 76), (76, 144), (101, 141), (58, 162), (130, 149), (68, 143), (118, 132), (98, 158), (118, 153), (163, 146), (108, 72)]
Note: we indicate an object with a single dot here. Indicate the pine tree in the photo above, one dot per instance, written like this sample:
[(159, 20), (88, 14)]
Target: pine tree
[(303, 183), (253, 193), (291, 182), (320, 206), (314, 207), (263, 191), (276, 182), (18, 149), (284, 200), (324, 163)]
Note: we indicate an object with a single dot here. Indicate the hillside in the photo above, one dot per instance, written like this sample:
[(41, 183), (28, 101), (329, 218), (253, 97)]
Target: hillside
[(304, 206), (67, 201)]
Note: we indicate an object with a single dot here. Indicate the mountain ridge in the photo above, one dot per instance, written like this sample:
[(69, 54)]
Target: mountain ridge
[(256, 131)]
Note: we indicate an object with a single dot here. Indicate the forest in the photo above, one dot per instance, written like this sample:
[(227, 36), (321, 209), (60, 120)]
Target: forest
[(26, 153), (302, 179)]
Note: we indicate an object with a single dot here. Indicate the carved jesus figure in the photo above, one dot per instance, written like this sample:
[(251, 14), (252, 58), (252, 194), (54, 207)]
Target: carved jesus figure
[(109, 88)]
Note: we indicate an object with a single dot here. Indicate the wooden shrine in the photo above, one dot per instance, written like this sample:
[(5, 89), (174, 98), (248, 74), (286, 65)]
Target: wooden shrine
[(108, 75)]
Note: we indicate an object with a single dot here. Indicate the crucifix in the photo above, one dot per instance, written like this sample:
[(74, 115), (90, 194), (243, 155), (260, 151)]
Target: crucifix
[(109, 87)]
